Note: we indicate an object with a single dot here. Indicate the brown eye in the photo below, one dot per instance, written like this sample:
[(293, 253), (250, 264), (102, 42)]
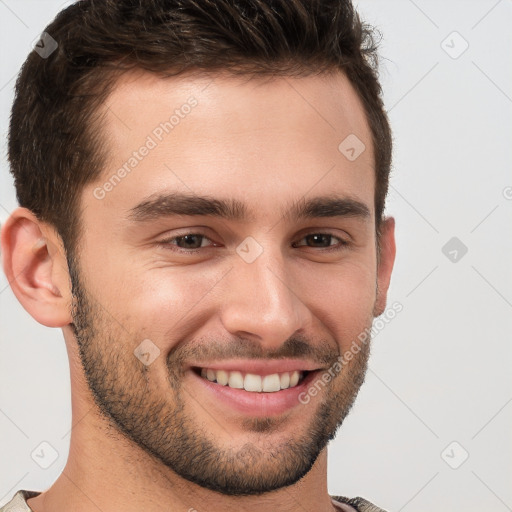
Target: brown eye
[(323, 241), (188, 242), (320, 239)]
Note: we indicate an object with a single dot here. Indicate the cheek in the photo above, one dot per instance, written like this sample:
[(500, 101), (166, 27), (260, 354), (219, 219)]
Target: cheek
[(344, 301), (159, 303), (169, 303)]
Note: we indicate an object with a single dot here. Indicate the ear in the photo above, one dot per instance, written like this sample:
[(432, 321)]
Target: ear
[(385, 264), (35, 264)]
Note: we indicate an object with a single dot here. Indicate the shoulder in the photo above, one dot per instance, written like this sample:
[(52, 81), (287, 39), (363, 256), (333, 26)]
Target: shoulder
[(359, 504), (18, 502)]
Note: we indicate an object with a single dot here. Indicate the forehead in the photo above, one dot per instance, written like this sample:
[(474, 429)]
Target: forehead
[(265, 141)]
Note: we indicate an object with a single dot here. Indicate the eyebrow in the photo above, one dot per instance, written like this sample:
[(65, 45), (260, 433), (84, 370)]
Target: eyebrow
[(166, 205)]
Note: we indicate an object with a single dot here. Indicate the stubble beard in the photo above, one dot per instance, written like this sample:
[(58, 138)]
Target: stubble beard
[(157, 420)]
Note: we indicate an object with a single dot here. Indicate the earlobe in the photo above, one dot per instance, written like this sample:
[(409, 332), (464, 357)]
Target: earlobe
[(36, 268), (385, 264)]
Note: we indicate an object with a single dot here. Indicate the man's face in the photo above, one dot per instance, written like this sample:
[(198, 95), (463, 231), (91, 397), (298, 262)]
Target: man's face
[(266, 291)]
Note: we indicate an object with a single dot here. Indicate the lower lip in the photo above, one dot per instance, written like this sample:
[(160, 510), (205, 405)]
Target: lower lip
[(258, 404)]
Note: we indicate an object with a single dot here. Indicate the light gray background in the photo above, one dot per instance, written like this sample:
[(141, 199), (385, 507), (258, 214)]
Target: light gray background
[(440, 371)]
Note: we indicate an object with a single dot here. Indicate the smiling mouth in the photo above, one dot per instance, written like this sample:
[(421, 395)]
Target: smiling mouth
[(253, 382)]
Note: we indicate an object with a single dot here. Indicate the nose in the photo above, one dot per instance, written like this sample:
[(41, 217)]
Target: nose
[(262, 300)]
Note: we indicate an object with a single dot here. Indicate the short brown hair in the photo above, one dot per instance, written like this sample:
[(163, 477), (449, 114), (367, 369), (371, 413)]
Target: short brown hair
[(53, 149)]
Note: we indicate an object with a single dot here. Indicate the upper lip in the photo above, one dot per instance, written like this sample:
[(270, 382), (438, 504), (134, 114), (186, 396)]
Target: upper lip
[(260, 367)]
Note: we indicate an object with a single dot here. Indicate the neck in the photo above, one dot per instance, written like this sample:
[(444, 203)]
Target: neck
[(106, 471)]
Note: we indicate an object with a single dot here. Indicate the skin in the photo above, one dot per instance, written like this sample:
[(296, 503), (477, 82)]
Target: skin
[(267, 143)]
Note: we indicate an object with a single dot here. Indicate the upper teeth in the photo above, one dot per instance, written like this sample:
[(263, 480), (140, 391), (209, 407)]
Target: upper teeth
[(252, 382)]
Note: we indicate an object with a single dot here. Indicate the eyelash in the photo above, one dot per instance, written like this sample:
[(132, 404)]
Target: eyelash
[(166, 243)]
